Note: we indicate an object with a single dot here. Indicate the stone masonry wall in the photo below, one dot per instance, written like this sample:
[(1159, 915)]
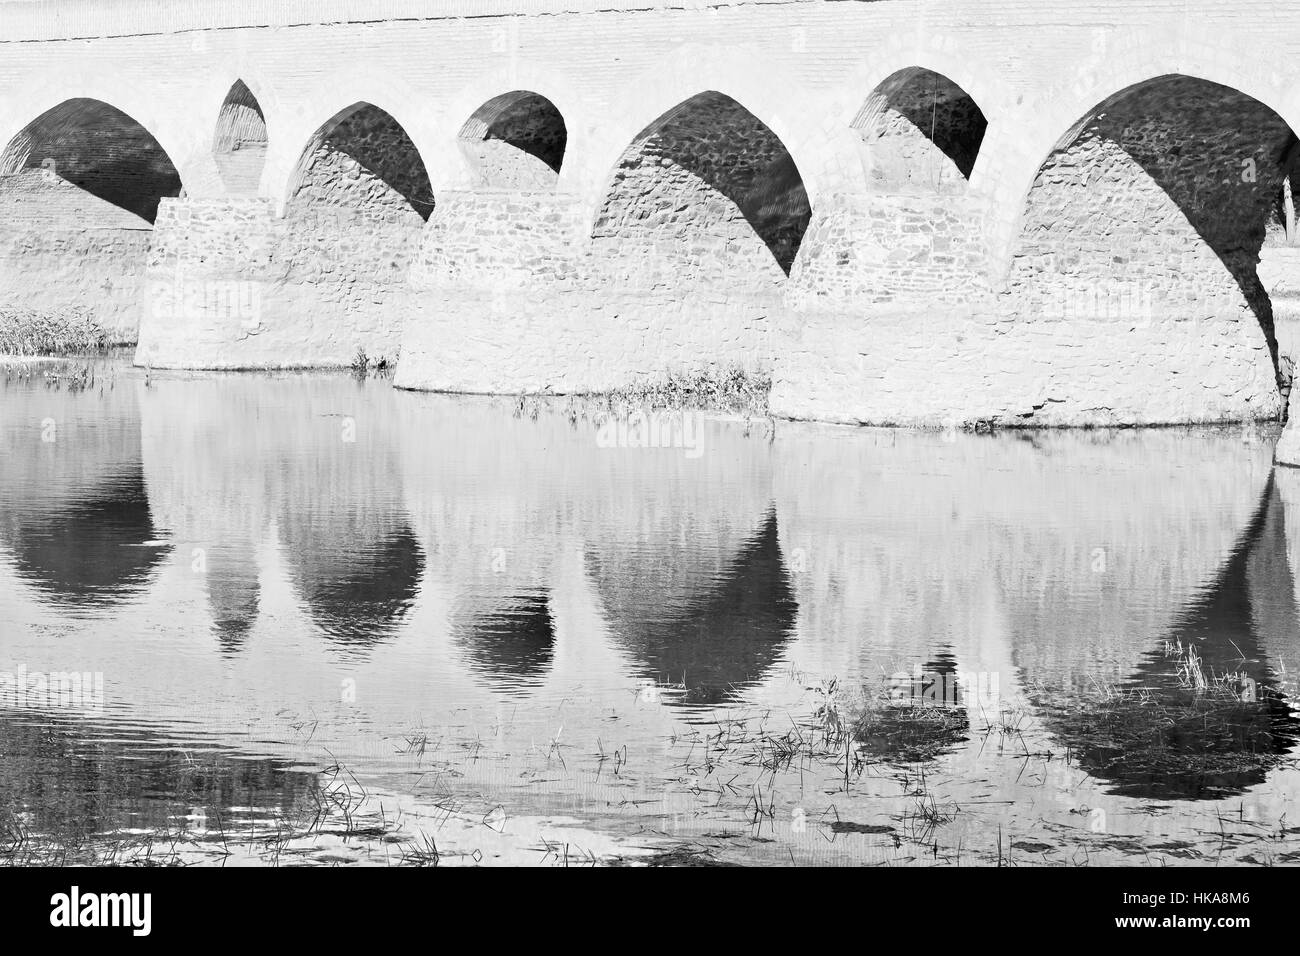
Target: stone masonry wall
[(233, 286), (64, 251), (511, 296), (683, 269)]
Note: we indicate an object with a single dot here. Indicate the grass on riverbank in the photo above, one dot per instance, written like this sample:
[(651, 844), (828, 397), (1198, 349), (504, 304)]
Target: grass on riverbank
[(728, 389), (64, 333)]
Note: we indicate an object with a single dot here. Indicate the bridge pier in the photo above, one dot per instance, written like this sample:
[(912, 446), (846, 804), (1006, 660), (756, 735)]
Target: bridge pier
[(512, 296), (230, 285)]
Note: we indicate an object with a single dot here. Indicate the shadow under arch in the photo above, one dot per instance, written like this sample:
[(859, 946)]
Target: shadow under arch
[(100, 150), (700, 165), (515, 141), (1145, 184), (921, 128), (93, 551), (1170, 735), (715, 637), (363, 159)]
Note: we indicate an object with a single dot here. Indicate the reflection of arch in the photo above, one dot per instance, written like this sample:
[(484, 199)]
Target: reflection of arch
[(240, 143), (515, 141), (1167, 187), (716, 637), (234, 592), (512, 645), (1178, 742), (356, 578), (708, 172), (921, 128), (363, 160), (95, 550), (101, 151)]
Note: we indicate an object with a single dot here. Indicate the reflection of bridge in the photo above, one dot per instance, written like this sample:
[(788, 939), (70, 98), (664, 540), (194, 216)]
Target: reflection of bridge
[(523, 555), (865, 199)]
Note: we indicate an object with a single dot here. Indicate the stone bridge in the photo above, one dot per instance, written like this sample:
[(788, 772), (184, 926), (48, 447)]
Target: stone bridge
[(1042, 212)]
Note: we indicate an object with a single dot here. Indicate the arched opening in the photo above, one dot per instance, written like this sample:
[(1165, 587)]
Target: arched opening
[(85, 160), (709, 187), (240, 144), (80, 188), (1153, 210), (920, 129), (363, 163), (515, 141)]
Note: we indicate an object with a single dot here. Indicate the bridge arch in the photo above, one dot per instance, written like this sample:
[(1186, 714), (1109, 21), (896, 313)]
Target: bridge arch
[(240, 141), (99, 150), (768, 90), (1019, 142), (920, 130), (515, 140), (712, 179), (1152, 209), (363, 159)]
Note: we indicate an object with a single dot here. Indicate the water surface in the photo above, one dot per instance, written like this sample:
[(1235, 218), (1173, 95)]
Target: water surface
[(338, 623)]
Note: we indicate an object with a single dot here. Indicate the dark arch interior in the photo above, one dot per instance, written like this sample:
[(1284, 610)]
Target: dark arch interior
[(365, 161), (100, 150), (1172, 184), (93, 551), (513, 645), (915, 121), (703, 164), (357, 579), (516, 141), (241, 142)]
